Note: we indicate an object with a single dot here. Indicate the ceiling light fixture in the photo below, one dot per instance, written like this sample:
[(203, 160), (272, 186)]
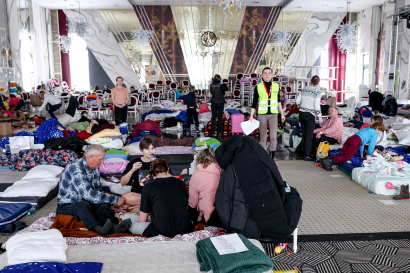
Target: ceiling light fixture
[(346, 35), (79, 26), (282, 36), (231, 6), (63, 40), (142, 37)]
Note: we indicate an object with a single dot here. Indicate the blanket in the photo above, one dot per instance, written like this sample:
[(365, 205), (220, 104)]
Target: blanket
[(160, 142), (25, 160)]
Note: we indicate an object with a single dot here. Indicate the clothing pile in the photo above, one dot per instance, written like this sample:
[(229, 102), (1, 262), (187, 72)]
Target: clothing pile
[(147, 125)]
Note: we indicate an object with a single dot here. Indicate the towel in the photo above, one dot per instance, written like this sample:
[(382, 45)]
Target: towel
[(253, 260)]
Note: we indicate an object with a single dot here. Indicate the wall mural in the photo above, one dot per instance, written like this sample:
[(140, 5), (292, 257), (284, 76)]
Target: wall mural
[(253, 23), (163, 23)]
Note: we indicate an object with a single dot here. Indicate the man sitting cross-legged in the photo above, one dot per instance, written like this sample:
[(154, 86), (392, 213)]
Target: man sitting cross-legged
[(80, 194)]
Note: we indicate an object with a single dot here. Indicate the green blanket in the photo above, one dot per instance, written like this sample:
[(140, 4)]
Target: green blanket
[(114, 151), (253, 260)]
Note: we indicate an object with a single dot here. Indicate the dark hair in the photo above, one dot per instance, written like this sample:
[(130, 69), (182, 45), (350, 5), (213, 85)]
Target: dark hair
[(377, 118), (119, 78), (96, 87), (267, 68), (38, 86), (217, 76), (158, 166), (117, 122), (315, 80), (179, 87), (199, 102), (145, 143), (95, 128), (378, 125), (84, 112), (132, 87), (191, 88)]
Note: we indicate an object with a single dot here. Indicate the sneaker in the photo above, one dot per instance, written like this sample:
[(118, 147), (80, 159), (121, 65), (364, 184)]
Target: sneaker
[(404, 193), (308, 157), (327, 163)]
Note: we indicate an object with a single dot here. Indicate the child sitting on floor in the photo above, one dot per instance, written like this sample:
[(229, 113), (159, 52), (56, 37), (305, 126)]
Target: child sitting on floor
[(355, 143), (6, 107)]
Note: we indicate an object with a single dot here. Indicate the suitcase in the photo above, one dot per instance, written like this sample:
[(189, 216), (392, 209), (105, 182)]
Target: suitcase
[(237, 119)]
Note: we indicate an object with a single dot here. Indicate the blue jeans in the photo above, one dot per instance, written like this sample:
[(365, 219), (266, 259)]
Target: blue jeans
[(53, 108)]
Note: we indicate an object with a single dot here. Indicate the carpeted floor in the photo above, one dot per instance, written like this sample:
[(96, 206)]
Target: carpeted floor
[(344, 257)]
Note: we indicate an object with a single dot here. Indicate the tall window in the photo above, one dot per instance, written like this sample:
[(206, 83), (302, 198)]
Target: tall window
[(27, 66), (365, 78), (79, 69)]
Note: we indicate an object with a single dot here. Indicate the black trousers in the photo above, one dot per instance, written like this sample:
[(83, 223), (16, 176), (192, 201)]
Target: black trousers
[(307, 123), (90, 214), (53, 108), (217, 110), (121, 113), (214, 220), (189, 113), (323, 138), (20, 104)]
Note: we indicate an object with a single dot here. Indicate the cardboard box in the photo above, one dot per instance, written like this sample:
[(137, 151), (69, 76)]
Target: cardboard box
[(5, 126), (24, 115), (35, 100)]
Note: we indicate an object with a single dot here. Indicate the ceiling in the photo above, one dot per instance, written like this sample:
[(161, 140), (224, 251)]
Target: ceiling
[(290, 5)]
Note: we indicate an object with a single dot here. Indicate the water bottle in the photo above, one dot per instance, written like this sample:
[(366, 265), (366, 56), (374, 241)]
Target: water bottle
[(153, 157), (32, 210)]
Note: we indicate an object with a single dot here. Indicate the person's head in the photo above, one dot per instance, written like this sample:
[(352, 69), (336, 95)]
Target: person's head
[(378, 126), (132, 89), (282, 93), (199, 103), (315, 80), (179, 88), (106, 87), (96, 87), (39, 87), (42, 94), (147, 147), (217, 77), (6, 99), (267, 74), (92, 129), (206, 157), (116, 122), (119, 81), (94, 156), (84, 113), (93, 121), (376, 118), (158, 167), (333, 111), (191, 88)]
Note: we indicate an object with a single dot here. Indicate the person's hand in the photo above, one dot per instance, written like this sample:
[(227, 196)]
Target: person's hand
[(318, 135), (250, 119), (60, 128), (283, 118), (197, 110), (361, 156), (375, 153), (320, 120), (136, 166), (120, 202)]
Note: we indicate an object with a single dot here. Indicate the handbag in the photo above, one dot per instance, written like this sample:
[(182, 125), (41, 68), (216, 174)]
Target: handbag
[(209, 94), (323, 150)]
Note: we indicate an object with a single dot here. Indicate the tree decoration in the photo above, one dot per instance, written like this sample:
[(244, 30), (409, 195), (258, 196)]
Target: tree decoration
[(141, 37), (80, 27), (230, 6), (346, 37)]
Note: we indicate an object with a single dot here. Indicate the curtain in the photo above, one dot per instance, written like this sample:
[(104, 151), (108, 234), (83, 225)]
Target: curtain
[(337, 59), (65, 59)]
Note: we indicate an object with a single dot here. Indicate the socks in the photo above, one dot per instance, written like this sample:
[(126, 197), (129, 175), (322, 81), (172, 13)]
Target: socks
[(123, 227), (105, 230)]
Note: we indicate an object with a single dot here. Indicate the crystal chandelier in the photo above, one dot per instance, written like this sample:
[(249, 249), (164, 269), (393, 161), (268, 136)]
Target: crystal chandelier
[(346, 35), (282, 37), (141, 37), (230, 6), (65, 43), (79, 26)]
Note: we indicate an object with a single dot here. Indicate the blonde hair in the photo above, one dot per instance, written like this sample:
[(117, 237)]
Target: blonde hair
[(206, 157)]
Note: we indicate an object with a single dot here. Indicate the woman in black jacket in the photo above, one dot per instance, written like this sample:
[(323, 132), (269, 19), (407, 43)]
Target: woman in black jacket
[(217, 104)]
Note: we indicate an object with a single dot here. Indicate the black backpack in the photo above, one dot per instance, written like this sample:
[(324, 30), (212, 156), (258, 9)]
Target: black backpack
[(390, 108)]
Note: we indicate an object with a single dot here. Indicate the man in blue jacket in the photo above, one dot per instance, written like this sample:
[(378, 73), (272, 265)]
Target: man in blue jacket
[(191, 109)]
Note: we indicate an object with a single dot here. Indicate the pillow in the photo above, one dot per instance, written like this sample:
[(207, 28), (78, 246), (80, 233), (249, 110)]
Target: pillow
[(107, 133), (406, 121), (40, 246), (133, 148), (115, 151), (406, 107), (404, 137), (400, 126), (26, 187), (115, 155), (113, 165), (43, 171)]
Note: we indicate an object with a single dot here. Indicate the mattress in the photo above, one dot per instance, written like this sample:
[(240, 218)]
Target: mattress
[(10, 212), (346, 167), (142, 257), (33, 200)]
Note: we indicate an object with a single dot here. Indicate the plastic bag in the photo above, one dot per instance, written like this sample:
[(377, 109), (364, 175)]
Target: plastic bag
[(21, 143)]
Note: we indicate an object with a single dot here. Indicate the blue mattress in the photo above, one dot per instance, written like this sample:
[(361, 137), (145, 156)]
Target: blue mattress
[(11, 212), (346, 167)]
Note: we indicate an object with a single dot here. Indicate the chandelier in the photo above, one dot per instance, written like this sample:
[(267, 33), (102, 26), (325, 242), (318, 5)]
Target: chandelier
[(282, 37), (79, 27), (141, 37), (65, 43), (346, 35), (230, 6)]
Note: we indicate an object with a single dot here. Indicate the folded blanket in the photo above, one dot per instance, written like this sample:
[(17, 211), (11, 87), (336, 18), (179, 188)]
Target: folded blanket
[(253, 260)]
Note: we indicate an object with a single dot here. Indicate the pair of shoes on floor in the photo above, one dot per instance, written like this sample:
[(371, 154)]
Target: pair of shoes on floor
[(272, 154), (404, 193), (308, 157), (327, 163), (10, 228)]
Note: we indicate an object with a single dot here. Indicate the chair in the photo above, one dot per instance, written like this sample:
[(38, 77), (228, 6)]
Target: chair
[(12, 96), (288, 89), (156, 97), (276, 79), (348, 111), (133, 107), (254, 75), (246, 92), (148, 100), (167, 88), (151, 86), (171, 94), (237, 96), (98, 92), (25, 96), (185, 84)]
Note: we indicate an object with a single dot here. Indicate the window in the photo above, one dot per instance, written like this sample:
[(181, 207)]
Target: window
[(365, 77), (27, 66), (79, 69)]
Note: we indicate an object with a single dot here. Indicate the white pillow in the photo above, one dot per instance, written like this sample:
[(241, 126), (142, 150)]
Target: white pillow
[(133, 148), (406, 121), (28, 187), (41, 246), (404, 137), (43, 171)]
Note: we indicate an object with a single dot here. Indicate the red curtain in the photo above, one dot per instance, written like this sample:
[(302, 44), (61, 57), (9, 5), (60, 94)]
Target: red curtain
[(337, 59), (65, 59)]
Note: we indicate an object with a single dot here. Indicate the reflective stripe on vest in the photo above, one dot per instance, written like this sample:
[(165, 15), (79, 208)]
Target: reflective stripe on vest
[(265, 102)]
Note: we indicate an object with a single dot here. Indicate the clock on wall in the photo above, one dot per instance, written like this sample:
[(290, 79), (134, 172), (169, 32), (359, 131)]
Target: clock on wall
[(208, 39)]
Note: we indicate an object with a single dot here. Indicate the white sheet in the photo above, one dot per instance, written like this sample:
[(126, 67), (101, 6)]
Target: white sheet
[(170, 257), (31, 187)]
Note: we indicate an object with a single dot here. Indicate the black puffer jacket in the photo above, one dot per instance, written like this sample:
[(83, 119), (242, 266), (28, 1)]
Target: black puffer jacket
[(254, 202), (74, 144), (218, 92), (390, 107), (376, 100)]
